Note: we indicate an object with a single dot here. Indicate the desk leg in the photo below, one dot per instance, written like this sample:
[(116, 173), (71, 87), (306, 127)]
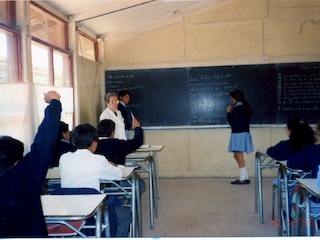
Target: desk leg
[(138, 207), (99, 220), (151, 193), (156, 165), (133, 205)]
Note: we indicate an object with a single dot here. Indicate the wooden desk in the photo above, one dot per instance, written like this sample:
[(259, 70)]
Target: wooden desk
[(308, 187), (144, 163), (153, 149), (73, 207)]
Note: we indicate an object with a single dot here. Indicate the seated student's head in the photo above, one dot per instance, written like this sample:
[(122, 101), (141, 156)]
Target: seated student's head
[(64, 132), (106, 128), (85, 136), (301, 136), (292, 123), (11, 151)]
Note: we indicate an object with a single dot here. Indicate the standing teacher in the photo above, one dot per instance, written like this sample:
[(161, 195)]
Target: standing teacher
[(240, 139), (111, 112)]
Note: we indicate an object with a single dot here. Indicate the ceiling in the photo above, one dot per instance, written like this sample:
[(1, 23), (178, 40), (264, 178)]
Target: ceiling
[(118, 20)]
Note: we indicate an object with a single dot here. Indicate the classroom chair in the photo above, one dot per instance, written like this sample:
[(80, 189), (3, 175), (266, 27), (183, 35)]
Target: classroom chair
[(283, 186)]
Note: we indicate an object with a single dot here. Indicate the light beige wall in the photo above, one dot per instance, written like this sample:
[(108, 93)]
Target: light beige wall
[(237, 32)]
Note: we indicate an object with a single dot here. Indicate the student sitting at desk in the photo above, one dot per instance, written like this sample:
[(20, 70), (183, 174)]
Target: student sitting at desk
[(22, 178), (116, 150), (309, 158), (84, 169), (63, 145), (283, 150)]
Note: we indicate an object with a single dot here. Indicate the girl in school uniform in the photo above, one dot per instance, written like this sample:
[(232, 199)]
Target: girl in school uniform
[(239, 118)]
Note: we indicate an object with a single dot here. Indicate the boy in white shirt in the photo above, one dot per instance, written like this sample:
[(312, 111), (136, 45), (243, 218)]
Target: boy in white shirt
[(83, 169)]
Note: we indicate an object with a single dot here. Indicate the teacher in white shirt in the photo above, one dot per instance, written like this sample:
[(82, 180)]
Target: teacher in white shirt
[(111, 112)]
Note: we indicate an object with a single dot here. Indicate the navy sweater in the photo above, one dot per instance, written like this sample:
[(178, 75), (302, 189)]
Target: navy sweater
[(20, 186), (116, 150)]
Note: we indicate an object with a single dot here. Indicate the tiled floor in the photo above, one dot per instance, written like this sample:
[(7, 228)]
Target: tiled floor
[(208, 208)]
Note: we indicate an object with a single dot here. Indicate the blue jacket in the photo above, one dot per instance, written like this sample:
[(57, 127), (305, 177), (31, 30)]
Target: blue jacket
[(116, 150), (239, 120), (307, 160), (281, 151), (20, 186)]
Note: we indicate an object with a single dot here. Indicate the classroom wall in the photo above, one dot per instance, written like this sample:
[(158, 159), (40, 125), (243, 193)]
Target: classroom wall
[(236, 32)]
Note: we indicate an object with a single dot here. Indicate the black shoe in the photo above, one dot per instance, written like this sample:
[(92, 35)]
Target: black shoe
[(241, 182)]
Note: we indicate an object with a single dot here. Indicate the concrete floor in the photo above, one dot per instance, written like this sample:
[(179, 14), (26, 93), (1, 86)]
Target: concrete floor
[(208, 208)]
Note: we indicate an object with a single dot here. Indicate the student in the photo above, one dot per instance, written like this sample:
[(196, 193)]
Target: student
[(83, 169), (307, 157), (63, 145), (22, 178), (282, 150), (116, 150), (124, 97), (111, 112), (240, 140)]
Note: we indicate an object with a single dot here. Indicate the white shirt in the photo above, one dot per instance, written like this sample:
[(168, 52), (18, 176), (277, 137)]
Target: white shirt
[(119, 131), (82, 168)]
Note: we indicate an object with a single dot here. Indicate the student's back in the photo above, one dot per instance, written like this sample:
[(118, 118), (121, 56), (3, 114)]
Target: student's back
[(20, 186)]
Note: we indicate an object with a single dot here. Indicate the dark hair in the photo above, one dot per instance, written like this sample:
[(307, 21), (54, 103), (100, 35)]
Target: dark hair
[(105, 128), (83, 135), (64, 127), (293, 122), (11, 151), (124, 92), (239, 96), (301, 136)]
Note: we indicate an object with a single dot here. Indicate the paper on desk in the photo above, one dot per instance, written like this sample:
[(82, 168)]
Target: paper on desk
[(126, 171), (145, 146)]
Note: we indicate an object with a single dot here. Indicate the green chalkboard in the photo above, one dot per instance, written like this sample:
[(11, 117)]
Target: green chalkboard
[(199, 96)]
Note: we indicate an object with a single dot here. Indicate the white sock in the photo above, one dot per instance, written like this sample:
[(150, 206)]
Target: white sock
[(243, 174)]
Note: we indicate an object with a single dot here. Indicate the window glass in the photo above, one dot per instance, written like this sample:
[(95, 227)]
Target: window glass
[(61, 66), (40, 64), (46, 27), (87, 47), (8, 57)]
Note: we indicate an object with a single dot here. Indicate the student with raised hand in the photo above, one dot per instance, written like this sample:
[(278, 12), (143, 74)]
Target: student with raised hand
[(240, 140), (84, 169), (116, 150), (111, 112), (22, 178)]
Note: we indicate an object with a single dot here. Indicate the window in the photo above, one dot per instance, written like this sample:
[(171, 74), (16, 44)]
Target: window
[(87, 47), (51, 60), (9, 44)]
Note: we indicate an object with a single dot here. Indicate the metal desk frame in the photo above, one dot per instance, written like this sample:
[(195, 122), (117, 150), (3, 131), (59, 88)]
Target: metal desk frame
[(144, 163), (262, 160)]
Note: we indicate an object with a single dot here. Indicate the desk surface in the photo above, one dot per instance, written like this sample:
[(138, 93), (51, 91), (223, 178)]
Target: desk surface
[(310, 184), (70, 206), (150, 148), (54, 173), (138, 155)]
